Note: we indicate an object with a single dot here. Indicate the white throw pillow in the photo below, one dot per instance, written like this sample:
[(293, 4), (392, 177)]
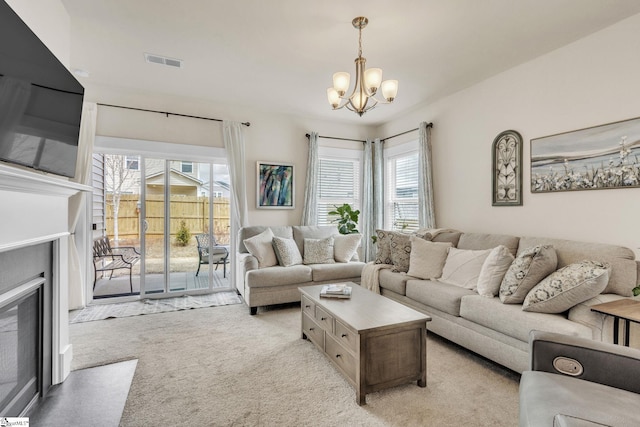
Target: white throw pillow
[(318, 251), (493, 271), (345, 246), (462, 267), (260, 247), (286, 251), (427, 258)]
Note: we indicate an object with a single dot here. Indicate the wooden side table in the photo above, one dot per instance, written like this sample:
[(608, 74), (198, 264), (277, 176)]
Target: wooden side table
[(626, 310)]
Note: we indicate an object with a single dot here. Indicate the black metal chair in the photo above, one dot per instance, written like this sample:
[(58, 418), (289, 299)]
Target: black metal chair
[(208, 247)]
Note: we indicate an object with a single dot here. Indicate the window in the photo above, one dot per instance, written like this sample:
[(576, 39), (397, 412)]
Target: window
[(339, 181), (186, 167), (401, 193), (133, 162)]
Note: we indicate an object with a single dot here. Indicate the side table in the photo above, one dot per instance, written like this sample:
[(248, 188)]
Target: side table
[(626, 310)]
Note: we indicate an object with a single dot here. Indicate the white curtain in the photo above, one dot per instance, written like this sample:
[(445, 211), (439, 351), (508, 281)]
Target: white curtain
[(378, 184), (426, 211), (14, 98), (84, 164), (234, 144), (310, 208), (367, 228)]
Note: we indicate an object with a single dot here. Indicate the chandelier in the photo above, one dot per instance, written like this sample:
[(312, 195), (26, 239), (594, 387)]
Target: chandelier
[(368, 81)]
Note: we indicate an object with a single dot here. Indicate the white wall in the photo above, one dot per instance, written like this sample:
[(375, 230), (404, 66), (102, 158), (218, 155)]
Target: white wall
[(271, 136), (590, 82)]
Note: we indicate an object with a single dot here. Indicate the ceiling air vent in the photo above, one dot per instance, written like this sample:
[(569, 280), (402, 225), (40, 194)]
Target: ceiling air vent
[(163, 60)]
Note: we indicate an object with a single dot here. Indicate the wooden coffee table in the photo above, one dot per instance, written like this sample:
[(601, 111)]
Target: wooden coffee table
[(373, 341)]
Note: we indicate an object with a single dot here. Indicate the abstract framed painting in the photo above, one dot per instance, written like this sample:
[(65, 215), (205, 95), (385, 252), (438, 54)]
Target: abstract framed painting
[(275, 189), (507, 169), (599, 157)]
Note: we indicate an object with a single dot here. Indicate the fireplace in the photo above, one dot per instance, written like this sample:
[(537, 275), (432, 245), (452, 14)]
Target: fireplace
[(25, 328), (35, 352)]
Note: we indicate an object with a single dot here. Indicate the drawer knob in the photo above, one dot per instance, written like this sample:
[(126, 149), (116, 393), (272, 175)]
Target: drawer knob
[(338, 355), (343, 335), (307, 306), (312, 329), (323, 318)]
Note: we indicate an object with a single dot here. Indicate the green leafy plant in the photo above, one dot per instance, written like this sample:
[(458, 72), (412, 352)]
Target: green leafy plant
[(636, 291), (347, 218), (183, 235)]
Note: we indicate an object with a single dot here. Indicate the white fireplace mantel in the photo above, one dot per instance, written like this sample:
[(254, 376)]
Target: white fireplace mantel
[(25, 181)]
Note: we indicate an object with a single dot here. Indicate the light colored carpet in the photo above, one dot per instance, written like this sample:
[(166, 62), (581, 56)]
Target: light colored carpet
[(222, 367), (152, 306)]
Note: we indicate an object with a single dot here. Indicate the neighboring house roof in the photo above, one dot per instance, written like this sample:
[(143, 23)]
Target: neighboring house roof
[(195, 180)]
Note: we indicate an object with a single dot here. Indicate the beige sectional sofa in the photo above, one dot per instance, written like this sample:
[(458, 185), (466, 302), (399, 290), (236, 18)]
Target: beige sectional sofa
[(500, 331), (279, 284)]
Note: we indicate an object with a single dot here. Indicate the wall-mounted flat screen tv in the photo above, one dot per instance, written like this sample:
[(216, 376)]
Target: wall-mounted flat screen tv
[(40, 101)]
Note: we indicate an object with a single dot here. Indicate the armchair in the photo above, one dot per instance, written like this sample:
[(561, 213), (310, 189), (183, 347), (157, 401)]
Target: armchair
[(209, 247), (579, 382)]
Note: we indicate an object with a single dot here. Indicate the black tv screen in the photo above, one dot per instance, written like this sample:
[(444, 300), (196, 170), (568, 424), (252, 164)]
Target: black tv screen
[(40, 101)]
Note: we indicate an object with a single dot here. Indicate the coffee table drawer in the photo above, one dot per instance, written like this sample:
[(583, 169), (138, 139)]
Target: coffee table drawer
[(324, 319), (313, 330), (345, 336), (308, 306), (341, 357)]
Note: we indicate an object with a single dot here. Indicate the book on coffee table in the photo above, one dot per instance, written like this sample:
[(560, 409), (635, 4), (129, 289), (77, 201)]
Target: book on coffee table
[(339, 290)]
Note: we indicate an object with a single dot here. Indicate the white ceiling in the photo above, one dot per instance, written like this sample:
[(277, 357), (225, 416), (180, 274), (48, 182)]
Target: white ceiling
[(280, 55)]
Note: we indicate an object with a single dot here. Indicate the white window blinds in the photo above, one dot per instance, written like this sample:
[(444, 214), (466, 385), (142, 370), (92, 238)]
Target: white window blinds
[(401, 193), (339, 183)]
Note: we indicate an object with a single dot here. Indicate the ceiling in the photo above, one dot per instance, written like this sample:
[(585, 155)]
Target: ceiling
[(280, 55)]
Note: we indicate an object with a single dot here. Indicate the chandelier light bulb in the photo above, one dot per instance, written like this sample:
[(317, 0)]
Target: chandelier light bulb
[(341, 82), (389, 90), (372, 79), (334, 97)]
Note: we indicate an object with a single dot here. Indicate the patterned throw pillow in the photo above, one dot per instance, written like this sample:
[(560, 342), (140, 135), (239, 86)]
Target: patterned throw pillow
[(286, 251), (383, 247), (260, 247), (462, 267), (345, 246), (567, 287), (527, 270), (400, 245), (318, 251)]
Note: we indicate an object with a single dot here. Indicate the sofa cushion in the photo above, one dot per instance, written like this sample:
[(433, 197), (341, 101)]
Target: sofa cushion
[(246, 232), (427, 258), (442, 236), (493, 270), (544, 395), (527, 270), (442, 296), (624, 269), (261, 247), (338, 271), (567, 287), (345, 246), (400, 245), (301, 232), (394, 281), (510, 320), (462, 267), (383, 247), (477, 241), (318, 251), (286, 251), (278, 276)]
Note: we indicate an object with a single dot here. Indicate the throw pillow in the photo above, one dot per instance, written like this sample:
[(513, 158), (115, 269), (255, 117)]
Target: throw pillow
[(286, 251), (383, 247), (569, 286), (345, 246), (260, 247), (400, 245), (526, 271), (493, 271), (318, 251), (462, 267), (427, 258)]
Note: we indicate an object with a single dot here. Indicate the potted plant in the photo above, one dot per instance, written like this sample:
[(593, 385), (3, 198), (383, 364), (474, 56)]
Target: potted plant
[(347, 218)]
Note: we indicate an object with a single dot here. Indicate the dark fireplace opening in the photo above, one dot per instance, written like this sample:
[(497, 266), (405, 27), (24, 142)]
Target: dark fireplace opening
[(25, 328)]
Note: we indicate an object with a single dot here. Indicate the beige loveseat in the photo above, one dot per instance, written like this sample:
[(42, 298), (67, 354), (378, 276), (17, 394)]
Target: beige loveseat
[(279, 284), (500, 331)]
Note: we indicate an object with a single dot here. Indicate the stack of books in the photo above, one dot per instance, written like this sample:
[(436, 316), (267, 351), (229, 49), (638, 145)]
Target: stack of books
[(339, 290)]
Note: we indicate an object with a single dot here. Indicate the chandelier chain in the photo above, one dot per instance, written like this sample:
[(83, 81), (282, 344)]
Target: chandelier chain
[(359, 42)]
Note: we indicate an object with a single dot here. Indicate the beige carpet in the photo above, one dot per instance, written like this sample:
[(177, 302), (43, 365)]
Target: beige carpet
[(222, 367)]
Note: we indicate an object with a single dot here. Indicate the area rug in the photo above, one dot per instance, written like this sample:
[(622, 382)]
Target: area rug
[(152, 306)]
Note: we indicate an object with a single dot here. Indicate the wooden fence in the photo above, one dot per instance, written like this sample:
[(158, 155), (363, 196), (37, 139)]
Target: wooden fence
[(194, 211)]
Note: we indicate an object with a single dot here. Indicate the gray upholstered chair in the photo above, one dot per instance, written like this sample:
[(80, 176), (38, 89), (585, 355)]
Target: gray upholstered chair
[(209, 247), (579, 382)]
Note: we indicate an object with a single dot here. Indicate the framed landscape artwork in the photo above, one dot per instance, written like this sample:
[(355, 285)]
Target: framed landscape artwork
[(507, 169), (275, 186), (600, 157)]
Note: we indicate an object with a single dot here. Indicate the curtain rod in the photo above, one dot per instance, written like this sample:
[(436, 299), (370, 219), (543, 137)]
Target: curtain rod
[(167, 113), (429, 125), (335, 137)]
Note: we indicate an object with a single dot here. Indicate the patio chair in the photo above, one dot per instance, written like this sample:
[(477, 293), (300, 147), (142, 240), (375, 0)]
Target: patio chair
[(208, 247)]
